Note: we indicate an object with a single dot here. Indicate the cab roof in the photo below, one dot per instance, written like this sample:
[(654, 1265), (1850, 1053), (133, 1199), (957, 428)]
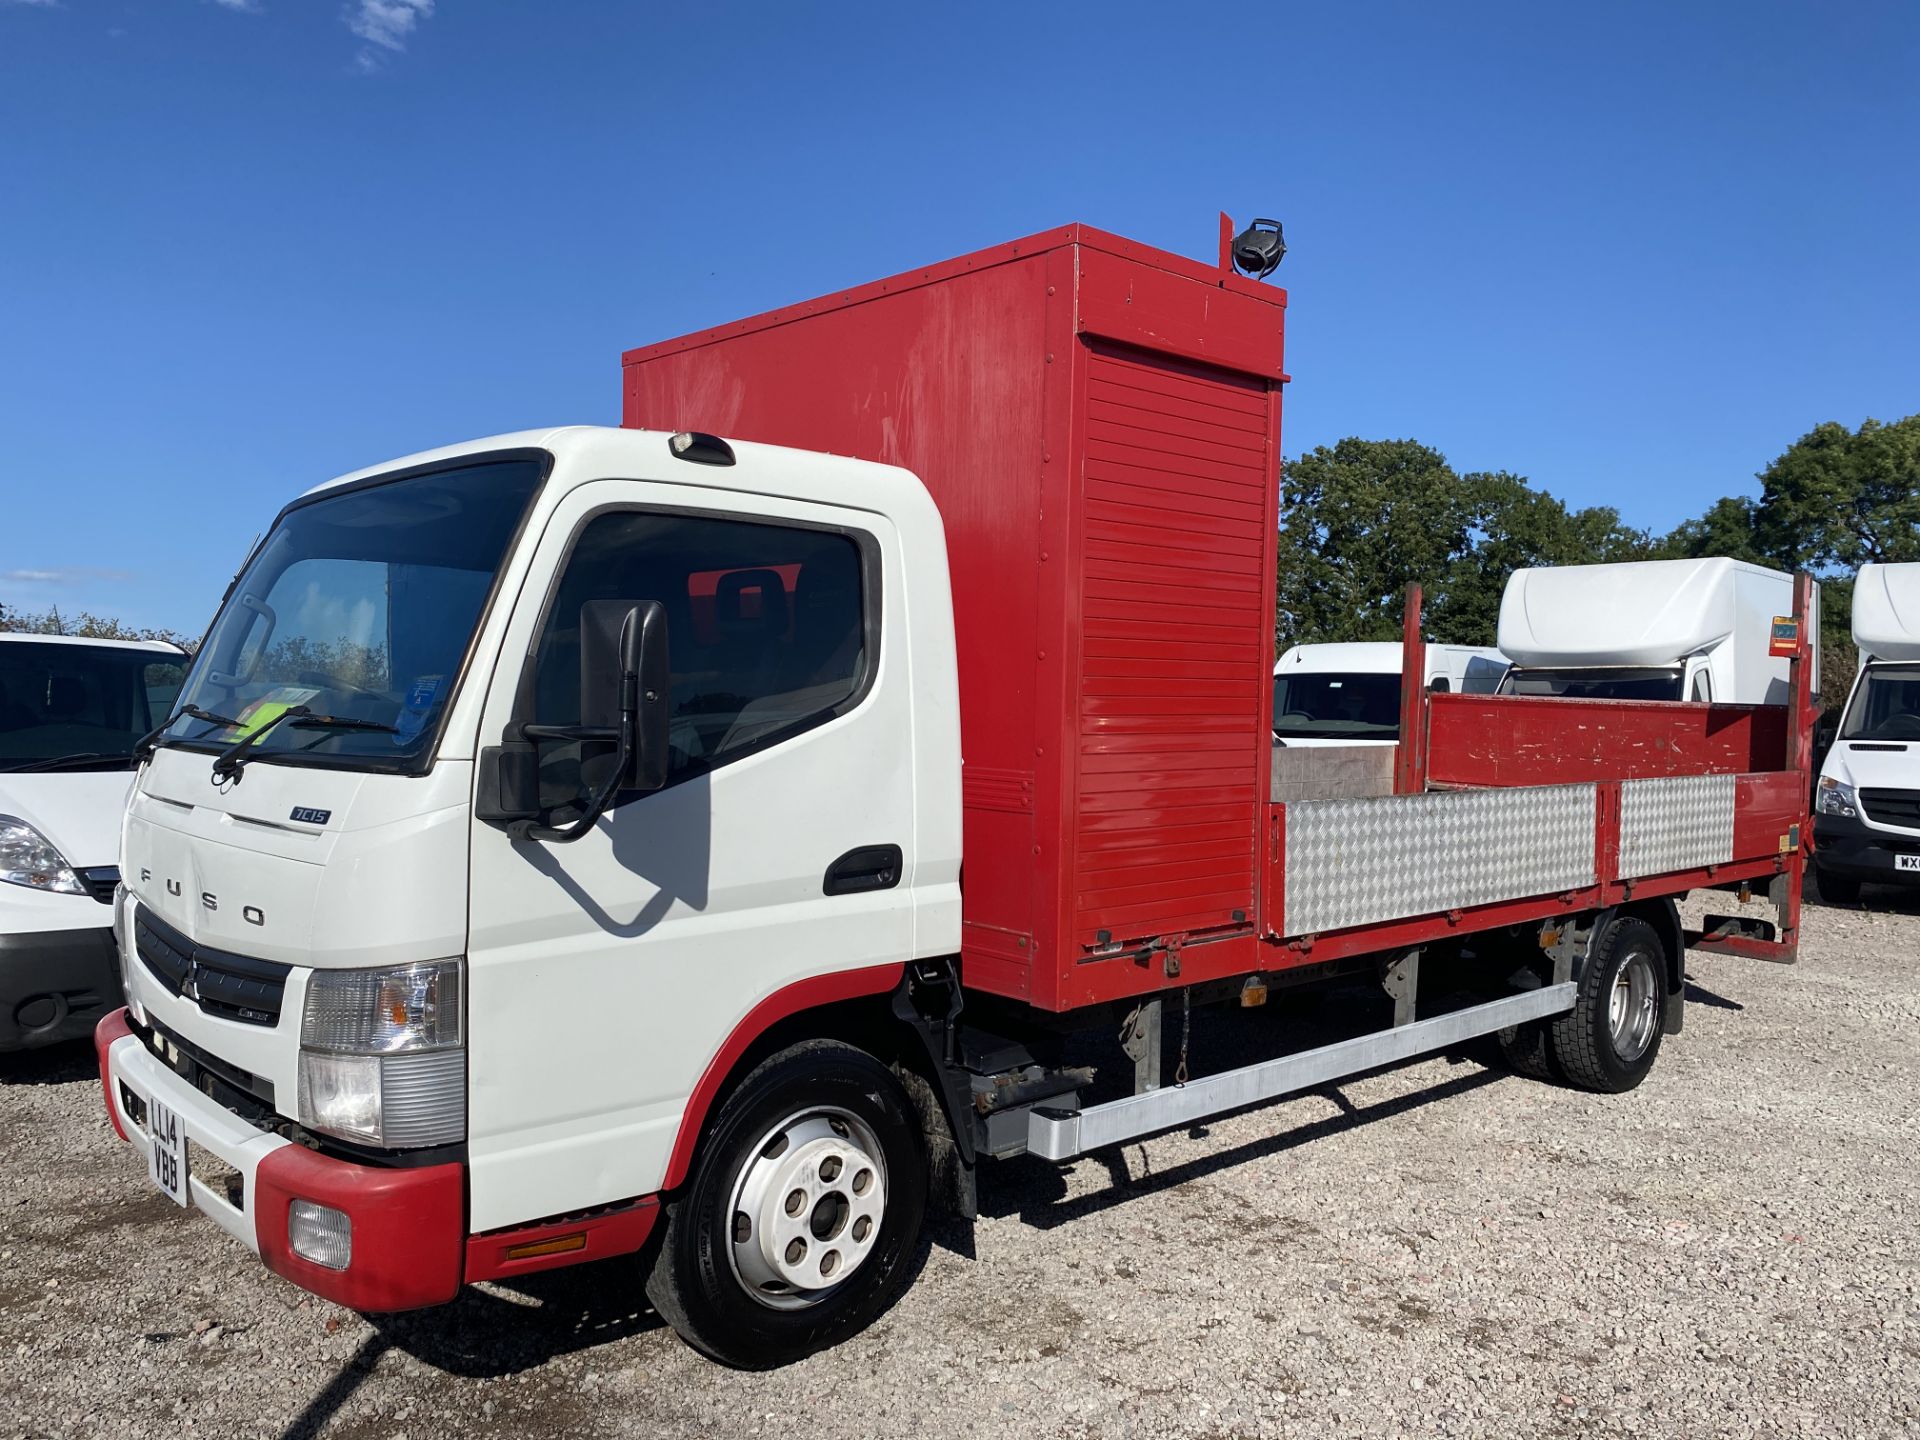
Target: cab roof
[(161, 647)]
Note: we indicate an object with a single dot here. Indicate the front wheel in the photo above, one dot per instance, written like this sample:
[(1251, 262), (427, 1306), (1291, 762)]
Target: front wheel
[(802, 1215), (1609, 1040), (1837, 889)]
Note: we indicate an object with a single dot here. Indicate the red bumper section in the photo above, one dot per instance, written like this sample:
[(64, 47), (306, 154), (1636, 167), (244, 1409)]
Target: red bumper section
[(409, 1228), (410, 1245)]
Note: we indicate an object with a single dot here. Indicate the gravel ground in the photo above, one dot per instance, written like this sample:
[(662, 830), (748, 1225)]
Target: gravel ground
[(1438, 1250)]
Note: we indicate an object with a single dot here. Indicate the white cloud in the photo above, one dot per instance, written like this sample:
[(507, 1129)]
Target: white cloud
[(43, 4), (252, 7), (386, 26), (65, 575)]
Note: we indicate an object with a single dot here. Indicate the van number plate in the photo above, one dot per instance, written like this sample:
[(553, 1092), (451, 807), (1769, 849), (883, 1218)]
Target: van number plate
[(1906, 862), (168, 1162)]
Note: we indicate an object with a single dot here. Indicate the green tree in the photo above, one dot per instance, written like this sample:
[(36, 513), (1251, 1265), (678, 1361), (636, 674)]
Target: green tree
[(1516, 527), (1839, 499), (87, 626), (1363, 518), (1358, 520), (1834, 500), (1728, 528)]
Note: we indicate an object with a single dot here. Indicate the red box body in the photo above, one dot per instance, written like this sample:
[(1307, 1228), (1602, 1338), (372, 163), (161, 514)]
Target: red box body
[(1099, 424)]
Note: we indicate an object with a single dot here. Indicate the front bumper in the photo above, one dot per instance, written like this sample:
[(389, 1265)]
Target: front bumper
[(409, 1224), (1854, 850), (56, 984)]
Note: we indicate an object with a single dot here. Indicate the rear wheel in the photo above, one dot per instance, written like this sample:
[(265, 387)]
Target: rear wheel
[(1837, 889), (1524, 1049), (801, 1217), (1610, 1039)]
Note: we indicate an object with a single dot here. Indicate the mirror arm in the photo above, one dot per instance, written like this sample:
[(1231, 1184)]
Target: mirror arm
[(597, 806), (627, 733)]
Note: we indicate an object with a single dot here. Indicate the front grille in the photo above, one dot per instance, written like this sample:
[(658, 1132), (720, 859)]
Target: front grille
[(100, 882), (241, 1091), (234, 987), (1893, 807)]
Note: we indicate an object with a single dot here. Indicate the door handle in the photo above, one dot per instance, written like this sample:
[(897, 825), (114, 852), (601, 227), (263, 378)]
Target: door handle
[(871, 867)]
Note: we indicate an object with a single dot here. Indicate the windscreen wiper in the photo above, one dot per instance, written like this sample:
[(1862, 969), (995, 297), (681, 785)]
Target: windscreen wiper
[(144, 746), (67, 762), (231, 760)]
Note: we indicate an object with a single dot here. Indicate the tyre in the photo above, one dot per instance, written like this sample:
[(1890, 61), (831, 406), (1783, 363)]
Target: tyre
[(1524, 1049), (1837, 889), (801, 1218), (1609, 1040)]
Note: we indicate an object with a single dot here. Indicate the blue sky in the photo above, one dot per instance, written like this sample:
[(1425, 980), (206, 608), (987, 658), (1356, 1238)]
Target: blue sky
[(1630, 251)]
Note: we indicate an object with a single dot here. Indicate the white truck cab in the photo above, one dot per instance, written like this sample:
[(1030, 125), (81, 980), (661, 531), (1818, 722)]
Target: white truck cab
[(1867, 807), (71, 712), (400, 876), (1349, 693), (1693, 630)]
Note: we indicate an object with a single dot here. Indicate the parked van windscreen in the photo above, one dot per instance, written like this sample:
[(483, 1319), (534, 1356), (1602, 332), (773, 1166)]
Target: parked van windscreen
[(1620, 683), (1336, 706), (1886, 706), (67, 705)]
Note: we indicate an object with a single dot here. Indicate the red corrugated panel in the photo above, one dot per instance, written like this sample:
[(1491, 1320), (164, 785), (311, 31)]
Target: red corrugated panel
[(1098, 422), (1176, 613)]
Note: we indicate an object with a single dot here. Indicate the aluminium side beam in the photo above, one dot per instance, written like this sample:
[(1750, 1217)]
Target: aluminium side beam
[(1061, 1135)]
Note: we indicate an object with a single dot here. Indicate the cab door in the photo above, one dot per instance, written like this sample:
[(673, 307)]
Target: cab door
[(605, 974)]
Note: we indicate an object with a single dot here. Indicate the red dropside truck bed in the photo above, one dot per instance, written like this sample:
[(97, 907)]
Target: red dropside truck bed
[(1099, 423)]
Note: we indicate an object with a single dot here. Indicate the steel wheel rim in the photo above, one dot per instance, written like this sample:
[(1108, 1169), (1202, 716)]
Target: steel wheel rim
[(807, 1208), (1633, 1007)]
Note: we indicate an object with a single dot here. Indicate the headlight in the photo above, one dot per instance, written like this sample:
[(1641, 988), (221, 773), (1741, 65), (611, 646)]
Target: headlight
[(1836, 799), (381, 1055), (28, 858)]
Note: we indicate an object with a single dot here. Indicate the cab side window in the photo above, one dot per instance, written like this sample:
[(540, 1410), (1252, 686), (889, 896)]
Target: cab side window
[(768, 632), (1702, 687)]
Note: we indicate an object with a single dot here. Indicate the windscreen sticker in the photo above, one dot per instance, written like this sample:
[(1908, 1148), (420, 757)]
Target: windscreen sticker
[(270, 707), (421, 695)]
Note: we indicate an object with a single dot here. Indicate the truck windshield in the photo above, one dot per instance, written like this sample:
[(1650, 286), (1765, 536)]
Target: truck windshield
[(1621, 683), (1886, 705), (359, 605), (1343, 706), (68, 705)]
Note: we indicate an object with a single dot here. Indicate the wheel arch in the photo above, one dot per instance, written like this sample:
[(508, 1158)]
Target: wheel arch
[(853, 1006), (1664, 916)]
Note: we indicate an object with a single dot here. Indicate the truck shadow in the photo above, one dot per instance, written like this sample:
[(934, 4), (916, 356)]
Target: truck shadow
[(525, 1323), (1035, 1190), (519, 1325), (1874, 900), (55, 1065)]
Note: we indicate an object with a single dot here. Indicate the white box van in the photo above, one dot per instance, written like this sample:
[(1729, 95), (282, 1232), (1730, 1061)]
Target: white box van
[(71, 711), (1349, 694), (1867, 810), (1649, 630)]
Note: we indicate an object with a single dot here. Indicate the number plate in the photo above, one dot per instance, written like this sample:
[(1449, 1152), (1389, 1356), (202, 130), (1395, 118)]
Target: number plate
[(1906, 862), (168, 1163)]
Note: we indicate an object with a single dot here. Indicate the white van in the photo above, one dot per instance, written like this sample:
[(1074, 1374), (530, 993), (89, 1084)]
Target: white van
[(1866, 823), (71, 711), (1349, 694), (1649, 630)]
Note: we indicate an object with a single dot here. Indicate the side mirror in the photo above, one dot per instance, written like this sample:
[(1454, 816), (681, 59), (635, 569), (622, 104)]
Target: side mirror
[(645, 699), (624, 680), (623, 700)]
